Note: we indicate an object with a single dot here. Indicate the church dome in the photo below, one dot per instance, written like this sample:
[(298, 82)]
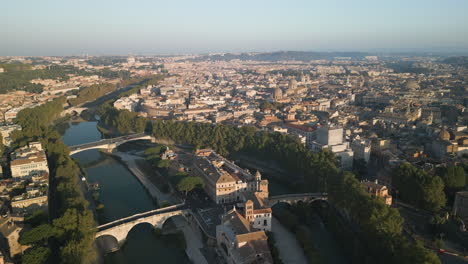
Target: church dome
[(277, 93)]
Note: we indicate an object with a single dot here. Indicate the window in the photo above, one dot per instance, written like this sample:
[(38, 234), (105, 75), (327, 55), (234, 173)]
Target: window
[(265, 222)]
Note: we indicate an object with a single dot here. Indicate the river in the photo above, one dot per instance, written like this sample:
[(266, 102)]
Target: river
[(122, 195)]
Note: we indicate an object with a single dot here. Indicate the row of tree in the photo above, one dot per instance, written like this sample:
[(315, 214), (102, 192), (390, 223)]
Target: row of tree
[(379, 224), (69, 234), (124, 121), (92, 92), (427, 190)]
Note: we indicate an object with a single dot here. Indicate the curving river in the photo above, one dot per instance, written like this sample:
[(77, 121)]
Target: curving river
[(122, 195)]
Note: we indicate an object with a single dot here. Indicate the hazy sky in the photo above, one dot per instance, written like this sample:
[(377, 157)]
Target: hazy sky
[(73, 27)]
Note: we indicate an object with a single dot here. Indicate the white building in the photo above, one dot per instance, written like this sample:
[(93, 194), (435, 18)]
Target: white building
[(29, 161), (331, 137)]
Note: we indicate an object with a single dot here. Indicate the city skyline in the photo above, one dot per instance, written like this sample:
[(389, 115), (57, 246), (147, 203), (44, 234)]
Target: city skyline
[(183, 27)]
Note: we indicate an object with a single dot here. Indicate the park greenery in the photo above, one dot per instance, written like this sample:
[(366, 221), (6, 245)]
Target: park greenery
[(379, 225), (69, 234), (190, 183), (419, 188), (153, 155)]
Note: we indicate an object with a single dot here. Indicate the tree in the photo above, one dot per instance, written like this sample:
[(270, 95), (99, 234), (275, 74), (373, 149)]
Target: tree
[(418, 188), (163, 163), (36, 255), (187, 184), (454, 177), (39, 234)]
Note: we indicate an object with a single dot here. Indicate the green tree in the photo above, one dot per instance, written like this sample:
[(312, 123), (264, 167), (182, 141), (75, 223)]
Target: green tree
[(454, 177), (39, 234), (36, 255), (187, 184), (418, 188)]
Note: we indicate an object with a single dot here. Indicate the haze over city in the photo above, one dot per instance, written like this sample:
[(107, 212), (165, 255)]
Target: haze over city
[(105, 27)]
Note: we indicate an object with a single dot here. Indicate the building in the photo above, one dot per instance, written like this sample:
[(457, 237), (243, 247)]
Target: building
[(257, 211), (377, 190), (29, 161), (34, 199), (308, 132), (361, 149), (331, 138), (10, 232), (225, 181), (6, 131), (240, 243), (460, 206)]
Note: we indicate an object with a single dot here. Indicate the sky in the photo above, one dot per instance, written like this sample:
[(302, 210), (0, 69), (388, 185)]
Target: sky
[(118, 27)]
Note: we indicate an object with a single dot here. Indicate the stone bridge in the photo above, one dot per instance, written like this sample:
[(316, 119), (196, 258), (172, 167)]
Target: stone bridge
[(71, 110), (296, 197), (119, 229), (109, 144)]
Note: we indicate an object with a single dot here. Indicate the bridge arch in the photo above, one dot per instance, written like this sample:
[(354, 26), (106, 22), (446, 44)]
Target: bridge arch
[(107, 243), (156, 218)]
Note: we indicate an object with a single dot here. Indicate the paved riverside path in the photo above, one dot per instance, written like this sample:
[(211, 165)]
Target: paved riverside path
[(289, 249), (194, 241), (152, 189)]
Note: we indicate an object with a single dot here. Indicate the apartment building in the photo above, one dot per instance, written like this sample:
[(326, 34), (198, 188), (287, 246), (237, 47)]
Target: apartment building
[(225, 182), (29, 161)]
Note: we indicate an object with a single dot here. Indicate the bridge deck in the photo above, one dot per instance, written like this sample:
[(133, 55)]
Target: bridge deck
[(141, 215), (108, 141)]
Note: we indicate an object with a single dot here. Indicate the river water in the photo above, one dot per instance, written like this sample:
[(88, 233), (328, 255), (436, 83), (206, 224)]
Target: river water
[(122, 195)]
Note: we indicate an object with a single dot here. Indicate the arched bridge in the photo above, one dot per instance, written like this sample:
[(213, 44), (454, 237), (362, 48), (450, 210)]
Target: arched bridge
[(108, 144), (119, 229), (74, 110), (296, 197)]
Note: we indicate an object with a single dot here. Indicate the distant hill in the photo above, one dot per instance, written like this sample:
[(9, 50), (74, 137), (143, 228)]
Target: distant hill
[(459, 61), (282, 56)]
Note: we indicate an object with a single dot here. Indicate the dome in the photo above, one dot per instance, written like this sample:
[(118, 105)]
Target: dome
[(444, 135), (277, 94), (411, 85)]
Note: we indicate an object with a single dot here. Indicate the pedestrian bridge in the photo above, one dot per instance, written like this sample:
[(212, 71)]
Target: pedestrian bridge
[(119, 229), (108, 144), (296, 197)]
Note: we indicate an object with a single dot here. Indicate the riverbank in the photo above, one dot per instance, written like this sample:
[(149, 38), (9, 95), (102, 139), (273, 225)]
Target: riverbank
[(129, 161)]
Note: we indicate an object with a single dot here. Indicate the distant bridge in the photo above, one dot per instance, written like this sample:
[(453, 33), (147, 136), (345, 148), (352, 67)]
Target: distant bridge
[(119, 229), (296, 197), (73, 110), (108, 144)]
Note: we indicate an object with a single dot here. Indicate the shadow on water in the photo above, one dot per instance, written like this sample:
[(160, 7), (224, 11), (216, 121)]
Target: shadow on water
[(144, 246)]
